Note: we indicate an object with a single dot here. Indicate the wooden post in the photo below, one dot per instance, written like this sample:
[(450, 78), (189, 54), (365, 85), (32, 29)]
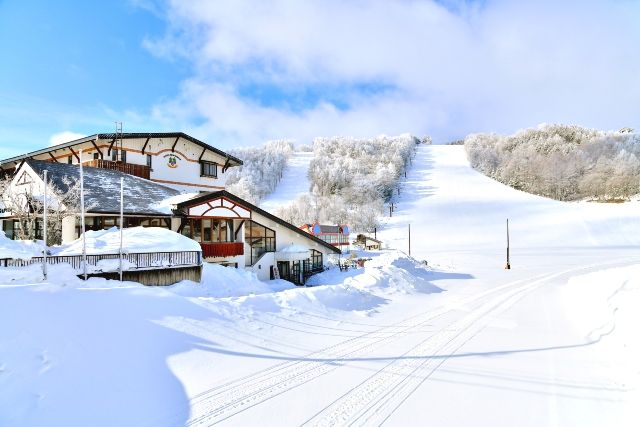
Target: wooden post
[(508, 266), (390, 210), (375, 233)]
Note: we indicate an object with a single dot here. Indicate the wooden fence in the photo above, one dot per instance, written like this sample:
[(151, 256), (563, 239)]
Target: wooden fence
[(132, 261)]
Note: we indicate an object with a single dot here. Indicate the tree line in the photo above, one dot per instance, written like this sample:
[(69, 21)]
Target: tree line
[(562, 162)]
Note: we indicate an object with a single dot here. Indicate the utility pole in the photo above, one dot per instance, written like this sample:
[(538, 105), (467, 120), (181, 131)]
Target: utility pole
[(44, 228), (121, 222), (508, 266), (82, 225)]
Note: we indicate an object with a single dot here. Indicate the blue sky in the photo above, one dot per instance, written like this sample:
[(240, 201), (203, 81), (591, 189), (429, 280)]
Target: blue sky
[(239, 73)]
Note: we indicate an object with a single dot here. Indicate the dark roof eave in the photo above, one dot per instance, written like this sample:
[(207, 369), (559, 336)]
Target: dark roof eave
[(130, 135), (262, 212)]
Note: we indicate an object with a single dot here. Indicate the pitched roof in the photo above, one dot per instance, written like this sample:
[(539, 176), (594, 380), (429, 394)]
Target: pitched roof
[(252, 207), (111, 136), (102, 188)]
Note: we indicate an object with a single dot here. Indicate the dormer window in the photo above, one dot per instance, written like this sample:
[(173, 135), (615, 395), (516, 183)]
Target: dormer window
[(209, 169)]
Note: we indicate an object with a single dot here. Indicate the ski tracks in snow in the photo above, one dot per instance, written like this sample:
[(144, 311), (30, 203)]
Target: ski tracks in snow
[(373, 401), (225, 401)]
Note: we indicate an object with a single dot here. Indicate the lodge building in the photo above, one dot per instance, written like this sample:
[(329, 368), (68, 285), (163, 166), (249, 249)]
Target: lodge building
[(161, 172)]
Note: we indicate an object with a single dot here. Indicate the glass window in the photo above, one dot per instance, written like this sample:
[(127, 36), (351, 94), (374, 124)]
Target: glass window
[(149, 160), (197, 230), (209, 169), (186, 229), (206, 230)]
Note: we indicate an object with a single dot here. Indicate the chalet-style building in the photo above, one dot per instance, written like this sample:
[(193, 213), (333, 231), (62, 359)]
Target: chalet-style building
[(335, 235), (172, 158), (368, 243), (230, 230)]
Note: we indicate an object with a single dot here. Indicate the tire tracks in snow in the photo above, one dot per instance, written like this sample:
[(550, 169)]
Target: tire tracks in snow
[(222, 402), (374, 400)]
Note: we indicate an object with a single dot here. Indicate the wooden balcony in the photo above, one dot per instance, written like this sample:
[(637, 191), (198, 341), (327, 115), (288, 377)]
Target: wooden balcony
[(142, 171), (222, 249)]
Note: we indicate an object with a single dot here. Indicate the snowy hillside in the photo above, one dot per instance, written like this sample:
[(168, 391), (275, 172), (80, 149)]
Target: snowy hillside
[(458, 342), (294, 183)]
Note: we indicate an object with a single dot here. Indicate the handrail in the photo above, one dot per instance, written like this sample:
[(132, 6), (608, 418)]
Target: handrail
[(134, 261)]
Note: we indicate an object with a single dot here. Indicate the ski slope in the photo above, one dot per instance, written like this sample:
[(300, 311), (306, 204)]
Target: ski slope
[(552, 341), (295, 182)]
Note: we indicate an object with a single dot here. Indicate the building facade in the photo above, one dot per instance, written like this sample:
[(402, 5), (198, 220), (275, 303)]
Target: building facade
[(172, 158), (335, 235), (231, 231)]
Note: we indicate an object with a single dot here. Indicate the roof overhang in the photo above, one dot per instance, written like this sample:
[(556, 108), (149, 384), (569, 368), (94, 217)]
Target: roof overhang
[(231, 160)]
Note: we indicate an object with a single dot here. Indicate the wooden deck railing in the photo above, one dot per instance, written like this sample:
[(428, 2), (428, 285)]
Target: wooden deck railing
[(142, 171), (222, 249), (132, 261)]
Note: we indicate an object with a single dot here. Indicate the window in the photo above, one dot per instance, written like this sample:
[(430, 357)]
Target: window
[(69, 159), (96, 156), (149, 161), (123, 156), (209, 169)]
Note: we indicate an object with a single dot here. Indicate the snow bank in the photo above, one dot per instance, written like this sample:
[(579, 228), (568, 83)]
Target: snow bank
[(135, 240), (19, 249), (222, 282)]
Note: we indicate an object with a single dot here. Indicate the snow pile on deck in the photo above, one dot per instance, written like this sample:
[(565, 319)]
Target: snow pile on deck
[(223, 282), (135, 240), (19, 249)]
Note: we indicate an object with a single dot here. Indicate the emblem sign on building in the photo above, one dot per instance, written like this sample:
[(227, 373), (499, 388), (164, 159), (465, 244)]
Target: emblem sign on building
[(172, 160)]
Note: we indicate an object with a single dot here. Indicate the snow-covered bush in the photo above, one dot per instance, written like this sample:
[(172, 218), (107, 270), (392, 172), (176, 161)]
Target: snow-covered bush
[(351, 179), (261, 171), (563, 162)]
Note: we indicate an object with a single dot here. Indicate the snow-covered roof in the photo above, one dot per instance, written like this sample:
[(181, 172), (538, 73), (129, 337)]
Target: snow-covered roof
[(102, 188)]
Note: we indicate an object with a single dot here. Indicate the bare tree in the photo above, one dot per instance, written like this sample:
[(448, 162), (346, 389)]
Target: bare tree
[(25, 201)]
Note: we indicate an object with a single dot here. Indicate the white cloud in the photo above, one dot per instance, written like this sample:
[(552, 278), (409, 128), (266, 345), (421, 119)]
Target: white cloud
[(62, 137), (490, 66)]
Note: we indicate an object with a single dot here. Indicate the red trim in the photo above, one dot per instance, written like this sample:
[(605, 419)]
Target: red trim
[(213, 250)]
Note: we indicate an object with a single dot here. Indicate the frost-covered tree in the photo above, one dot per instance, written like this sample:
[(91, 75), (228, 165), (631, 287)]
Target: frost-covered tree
[(351, 179), (261, 170), (563, 162)]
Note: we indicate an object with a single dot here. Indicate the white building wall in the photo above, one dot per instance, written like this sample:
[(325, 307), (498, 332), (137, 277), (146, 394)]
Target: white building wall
[(262, 268), (185, 176)]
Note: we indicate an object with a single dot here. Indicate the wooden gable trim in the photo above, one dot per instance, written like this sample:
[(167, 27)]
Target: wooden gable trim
[(202, 154), (113, 141), (173, 148), (74, 153), (144, 147), (96, 147), (226, 166), (53, 157)]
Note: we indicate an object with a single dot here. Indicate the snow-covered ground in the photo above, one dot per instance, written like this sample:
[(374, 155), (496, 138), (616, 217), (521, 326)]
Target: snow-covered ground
[(460, 342), (294, 182)]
